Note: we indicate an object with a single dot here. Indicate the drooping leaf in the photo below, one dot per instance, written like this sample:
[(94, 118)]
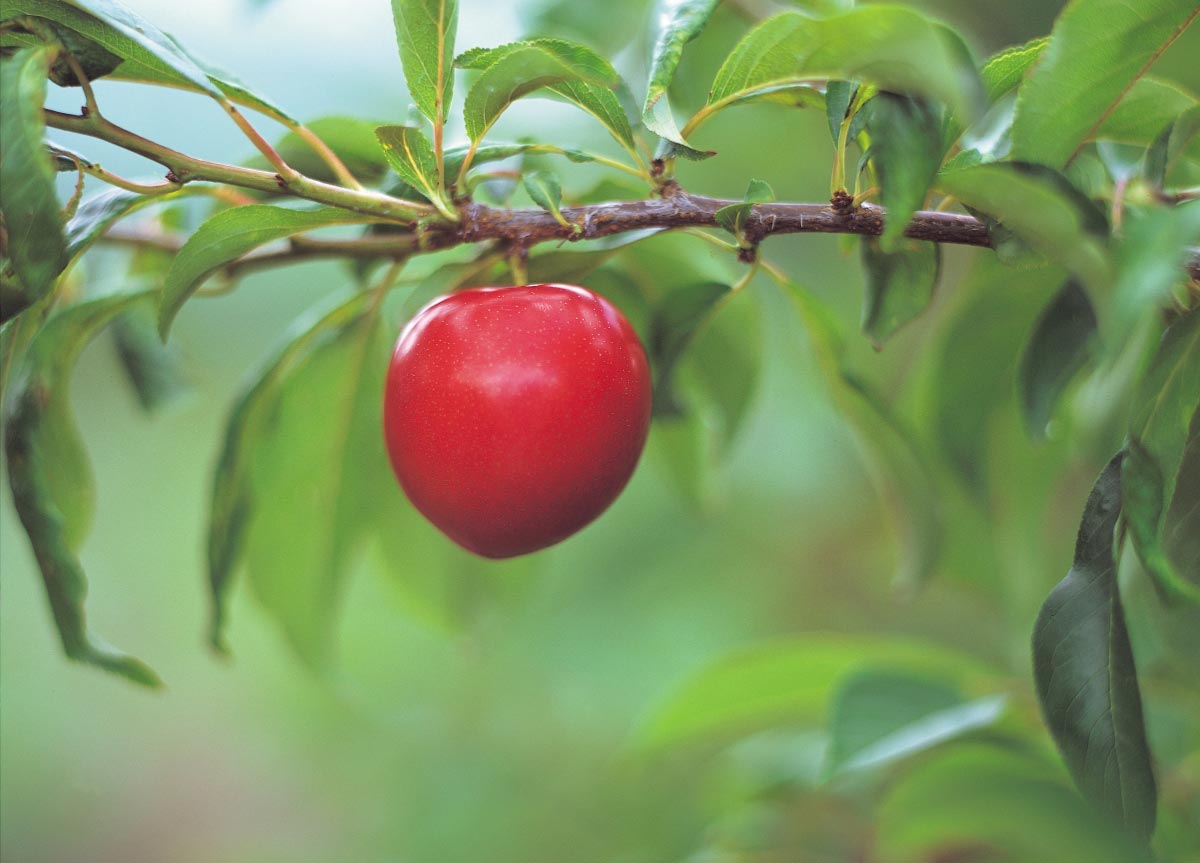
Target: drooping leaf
[(51, 478), (148, 53), (906, 149), (1062, 343), (893, 47), (36, 247), (1042, 212), (679, 22), (517, 69), (1086, 679), (411, 156), (879, 716), (425, 31), (227, 236), (779, 682), (1160, 432), (234, 498), (99, 213), (900, 285), (319, 466), (1097, 50)]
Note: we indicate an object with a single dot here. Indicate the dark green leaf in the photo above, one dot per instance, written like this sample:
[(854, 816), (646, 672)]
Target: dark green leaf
[(234, 498), (1085, 674), (99, 213), (837, 102), (425, 31), (1171, 144), (227, 236), (679, 22), (1097, 50), (900, 285), (1041, 212), (879, 717), (155, 370), (678, 316), (51, 478), (906, 149), (893, 47), (1062, 343), (36, 247), (515, 70)]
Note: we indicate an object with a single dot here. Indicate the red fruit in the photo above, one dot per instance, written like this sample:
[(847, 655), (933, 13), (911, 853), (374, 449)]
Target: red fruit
[(515, 416)]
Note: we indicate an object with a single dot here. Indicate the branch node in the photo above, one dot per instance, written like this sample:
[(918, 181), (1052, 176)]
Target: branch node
[(842, 203)]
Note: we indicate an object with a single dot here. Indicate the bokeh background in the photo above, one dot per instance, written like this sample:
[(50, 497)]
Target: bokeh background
[(505, 734)]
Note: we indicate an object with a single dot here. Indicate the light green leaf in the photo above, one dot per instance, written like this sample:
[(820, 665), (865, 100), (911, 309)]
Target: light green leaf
[(318, 463), (1144, 112), (51, 478), (893, 47), (601, 103), (679, 22), (824, 7), (879, 717), (36, 246), (517, 69), (545, 191), (1037, 209), (906, 150), (1086, 679), (1062, 343), (1097, 50), (1166, 405), (234, 498), (351, 139), (900, 285), (782, 682), (733, 217), (1004, 72), (227, 236), (411, 156), (425, 31)]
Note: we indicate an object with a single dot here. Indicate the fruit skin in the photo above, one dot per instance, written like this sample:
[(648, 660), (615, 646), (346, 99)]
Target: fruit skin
[(514, 416)]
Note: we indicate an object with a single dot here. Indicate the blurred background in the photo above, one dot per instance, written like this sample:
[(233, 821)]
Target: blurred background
[(509, 723)]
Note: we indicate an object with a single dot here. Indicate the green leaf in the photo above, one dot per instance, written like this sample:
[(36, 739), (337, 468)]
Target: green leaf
[(1166, 150), (411, 156), (30, 209), (234, 498), (906, 149), (1041, 211), (1150, 259), (1063, 342), (1097, 50), (1150, 107), (545, 191), (601, 103), (900, 285), (994, 802), (676, 320), (425, 31), (99, 213), (781, 682), (891, 46), (838, 95), (879, 717), (823, 7), (1085, 674), (51, 478), (155, 370), (679, 22), (1003, 72), (733, 217), (518, 69), (1166, 405), (319, 469), (351, 139), (148, 53), (227, 236)]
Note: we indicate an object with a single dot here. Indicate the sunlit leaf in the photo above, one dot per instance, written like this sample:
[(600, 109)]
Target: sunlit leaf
[(1004, 72), (893, 47), (227, 236), (1085, 674), (51, 479), (35, 244), (1097, 49), (900, 285), (679, 22), (425, 31)]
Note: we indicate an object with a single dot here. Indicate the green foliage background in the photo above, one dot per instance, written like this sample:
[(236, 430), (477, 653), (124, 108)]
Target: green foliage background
[(511, 713)]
